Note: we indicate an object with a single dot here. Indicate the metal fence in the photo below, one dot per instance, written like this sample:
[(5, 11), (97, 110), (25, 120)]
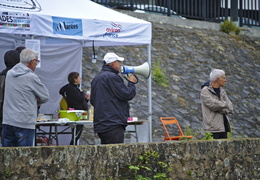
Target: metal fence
[(249, 12), (246, 12)]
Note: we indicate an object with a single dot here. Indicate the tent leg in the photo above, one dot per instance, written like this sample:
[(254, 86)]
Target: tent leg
[(149, 94)]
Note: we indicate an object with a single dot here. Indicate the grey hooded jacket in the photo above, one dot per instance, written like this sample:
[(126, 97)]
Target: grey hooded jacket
[(23, 92), (213, 108)]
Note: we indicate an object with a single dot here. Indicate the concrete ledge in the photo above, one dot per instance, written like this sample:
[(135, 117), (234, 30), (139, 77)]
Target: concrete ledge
[(225, 159)]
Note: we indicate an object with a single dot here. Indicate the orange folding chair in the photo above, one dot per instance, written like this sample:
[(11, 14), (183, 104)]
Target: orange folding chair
[(167, 122)]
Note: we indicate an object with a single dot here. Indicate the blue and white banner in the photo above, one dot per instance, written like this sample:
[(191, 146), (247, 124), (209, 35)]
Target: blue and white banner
[(67, 26)]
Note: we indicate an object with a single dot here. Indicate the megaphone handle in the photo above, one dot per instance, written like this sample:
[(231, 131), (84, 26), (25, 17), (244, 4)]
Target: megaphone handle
[(132, 75)]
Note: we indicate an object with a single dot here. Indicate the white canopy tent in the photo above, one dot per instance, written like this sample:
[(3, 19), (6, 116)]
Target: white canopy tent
[(63, 28)]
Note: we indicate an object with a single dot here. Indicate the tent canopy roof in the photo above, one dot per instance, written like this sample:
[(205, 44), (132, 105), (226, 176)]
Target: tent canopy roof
[(81, 20)]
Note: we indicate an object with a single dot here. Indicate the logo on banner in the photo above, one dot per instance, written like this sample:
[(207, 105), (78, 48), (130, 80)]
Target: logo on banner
[(21, 5), (113, 31), (67, 26), (18, 21)]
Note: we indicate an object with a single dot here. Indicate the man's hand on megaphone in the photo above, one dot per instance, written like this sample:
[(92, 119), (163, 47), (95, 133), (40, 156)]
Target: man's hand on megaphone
[(132, 78)]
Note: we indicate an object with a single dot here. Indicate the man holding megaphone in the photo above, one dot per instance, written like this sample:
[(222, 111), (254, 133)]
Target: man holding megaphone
[(110, 96)]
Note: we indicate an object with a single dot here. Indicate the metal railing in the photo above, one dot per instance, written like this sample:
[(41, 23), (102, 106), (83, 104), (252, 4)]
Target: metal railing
[(246, 12), (249, 13)]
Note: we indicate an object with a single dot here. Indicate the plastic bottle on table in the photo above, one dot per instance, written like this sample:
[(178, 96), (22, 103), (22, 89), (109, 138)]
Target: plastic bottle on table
[(91, 113)]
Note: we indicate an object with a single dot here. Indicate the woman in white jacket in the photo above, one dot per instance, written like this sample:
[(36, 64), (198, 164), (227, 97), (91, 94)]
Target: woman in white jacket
[(216, 105)]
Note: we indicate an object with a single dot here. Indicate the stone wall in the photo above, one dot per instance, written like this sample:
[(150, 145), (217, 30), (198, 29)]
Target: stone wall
[(214, 159), (188, 50)]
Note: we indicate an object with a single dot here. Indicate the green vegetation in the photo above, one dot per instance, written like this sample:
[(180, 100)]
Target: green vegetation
[(195, 132), (189, 173), (207, 136), (8, 173), (158, 74), (228, 26), (150, 167), (188, 132)]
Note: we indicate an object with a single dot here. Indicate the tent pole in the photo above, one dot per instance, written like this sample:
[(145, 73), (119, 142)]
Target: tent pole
[(149, 94)]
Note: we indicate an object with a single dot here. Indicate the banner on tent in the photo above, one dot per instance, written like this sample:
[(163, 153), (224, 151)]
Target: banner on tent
[(67, 26), (16, 21)]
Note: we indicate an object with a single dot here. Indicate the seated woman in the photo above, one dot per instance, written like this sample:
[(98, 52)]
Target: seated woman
[(76, 99)]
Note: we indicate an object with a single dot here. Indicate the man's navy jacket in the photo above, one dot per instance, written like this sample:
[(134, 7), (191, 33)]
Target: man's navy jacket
[(110, 96)]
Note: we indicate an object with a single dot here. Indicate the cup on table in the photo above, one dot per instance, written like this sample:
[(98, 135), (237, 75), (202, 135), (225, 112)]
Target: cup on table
[(88, 94)]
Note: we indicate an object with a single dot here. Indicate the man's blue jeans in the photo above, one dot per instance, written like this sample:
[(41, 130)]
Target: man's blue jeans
[(14, 136)]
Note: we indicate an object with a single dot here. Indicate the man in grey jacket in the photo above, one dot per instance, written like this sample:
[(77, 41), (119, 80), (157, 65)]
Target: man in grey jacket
[(216, 105), (24, 92)]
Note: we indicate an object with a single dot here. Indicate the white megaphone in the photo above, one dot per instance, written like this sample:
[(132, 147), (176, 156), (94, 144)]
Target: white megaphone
[(143, 70)]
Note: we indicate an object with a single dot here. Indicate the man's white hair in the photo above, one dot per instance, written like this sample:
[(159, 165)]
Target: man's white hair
[(27, 55), (216, 73)]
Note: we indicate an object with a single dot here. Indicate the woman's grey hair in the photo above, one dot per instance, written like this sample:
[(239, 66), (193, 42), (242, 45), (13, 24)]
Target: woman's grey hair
[(27, 55), (216, 73)]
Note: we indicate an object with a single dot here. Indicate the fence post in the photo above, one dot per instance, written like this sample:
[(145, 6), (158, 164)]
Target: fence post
[(203, 9), (132, 5), (169, 8), (234, 10), (240, 13)]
